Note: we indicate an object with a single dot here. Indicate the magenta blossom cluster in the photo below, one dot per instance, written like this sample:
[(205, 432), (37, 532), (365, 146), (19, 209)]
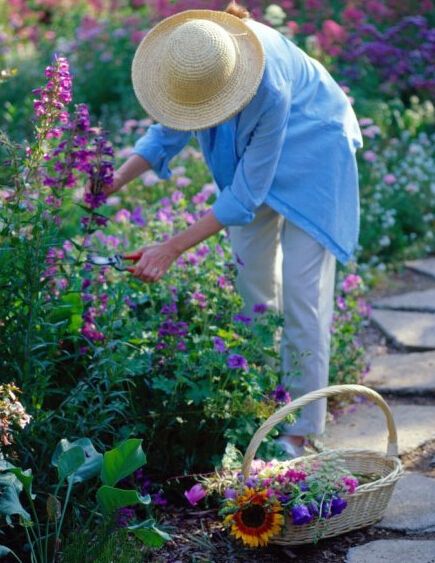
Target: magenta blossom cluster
[(95, 302), (49, 108)]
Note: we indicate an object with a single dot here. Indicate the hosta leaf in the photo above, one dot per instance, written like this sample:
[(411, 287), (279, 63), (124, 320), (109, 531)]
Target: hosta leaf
[(112, 498), (122, 461)]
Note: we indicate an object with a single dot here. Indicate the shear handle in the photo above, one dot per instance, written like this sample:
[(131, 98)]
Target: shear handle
[(134, 258)]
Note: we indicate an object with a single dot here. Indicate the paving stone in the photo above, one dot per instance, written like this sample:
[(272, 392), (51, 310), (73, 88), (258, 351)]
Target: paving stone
[(412, 373), (411, 330), (393, 551), (364, 426), (411, 301), (411, 507), (426, 266)]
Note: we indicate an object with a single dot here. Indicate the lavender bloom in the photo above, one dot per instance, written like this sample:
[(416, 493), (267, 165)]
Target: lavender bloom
[(124, 516), (281, 395), (301, 515), (230, 494), (219, 345), (158, 499), (259, 308), (236, 361), (195, 494), (242, 319), (313, 508), (137, 218)]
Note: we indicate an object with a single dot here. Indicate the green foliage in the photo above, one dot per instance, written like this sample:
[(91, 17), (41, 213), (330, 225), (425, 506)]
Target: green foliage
[(72, 465)]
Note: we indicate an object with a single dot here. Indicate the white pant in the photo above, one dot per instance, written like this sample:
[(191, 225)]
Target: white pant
[(292, 273)]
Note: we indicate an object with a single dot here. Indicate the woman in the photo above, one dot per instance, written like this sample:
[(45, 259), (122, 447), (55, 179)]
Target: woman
[(279, 137)]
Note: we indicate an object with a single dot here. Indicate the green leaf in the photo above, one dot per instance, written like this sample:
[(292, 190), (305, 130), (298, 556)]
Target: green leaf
[(149, 535), (69, 462), (93, 459), (122, 461), (111, 498), (10, 488), (25, 477)]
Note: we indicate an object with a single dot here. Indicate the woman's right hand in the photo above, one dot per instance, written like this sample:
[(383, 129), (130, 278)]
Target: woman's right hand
[(108, 189)]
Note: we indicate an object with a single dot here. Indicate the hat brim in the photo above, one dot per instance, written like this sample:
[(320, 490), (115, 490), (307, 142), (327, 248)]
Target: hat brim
[(149, 83)]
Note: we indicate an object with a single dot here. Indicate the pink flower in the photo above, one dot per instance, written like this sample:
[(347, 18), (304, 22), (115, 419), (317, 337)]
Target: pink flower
[(195, 494), (370, 156), (350, 484), (122, 216), (351, 282), (390, 179), (183, 182)]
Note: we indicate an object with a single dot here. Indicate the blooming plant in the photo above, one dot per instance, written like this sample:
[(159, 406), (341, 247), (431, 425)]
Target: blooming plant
[(256, 509), (13, 415), (348, 362)]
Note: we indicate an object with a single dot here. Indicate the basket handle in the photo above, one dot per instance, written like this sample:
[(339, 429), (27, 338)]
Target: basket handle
[(333, 390)]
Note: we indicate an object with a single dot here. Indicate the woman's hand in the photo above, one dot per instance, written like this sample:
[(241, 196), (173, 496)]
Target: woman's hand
[(108, 189), (155, 261)]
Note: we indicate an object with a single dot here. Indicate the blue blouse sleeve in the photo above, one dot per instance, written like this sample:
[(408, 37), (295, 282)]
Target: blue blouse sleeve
[(256, 169), (159, 145)]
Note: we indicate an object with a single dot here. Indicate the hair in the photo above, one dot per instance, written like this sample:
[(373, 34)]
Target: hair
[(237, 10)]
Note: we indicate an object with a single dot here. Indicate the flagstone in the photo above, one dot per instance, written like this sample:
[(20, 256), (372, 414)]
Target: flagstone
[(412, 373), (411, 301), (364, 426), (410, 330), (393, 551), (424, 266), (411, 507)]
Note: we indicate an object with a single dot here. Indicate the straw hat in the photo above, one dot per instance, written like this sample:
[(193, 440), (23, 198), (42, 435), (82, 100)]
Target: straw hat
[(197, 69)]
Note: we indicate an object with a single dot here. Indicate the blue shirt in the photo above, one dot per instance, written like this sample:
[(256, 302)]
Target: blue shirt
[(292, 147)]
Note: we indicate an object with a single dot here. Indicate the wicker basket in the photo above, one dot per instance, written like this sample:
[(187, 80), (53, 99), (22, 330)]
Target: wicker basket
[(369, 501)]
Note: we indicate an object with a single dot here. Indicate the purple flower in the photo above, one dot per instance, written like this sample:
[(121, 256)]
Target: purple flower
[(230, 494), (136, 217), (301, 515), (219, 345), (338, 504), (260, 308), (195, 494), (169, 309), (124, 516), (242, 319), (281, 395), (313, 508), (236, 361), (199, 299), (158, 499), (341, 303)]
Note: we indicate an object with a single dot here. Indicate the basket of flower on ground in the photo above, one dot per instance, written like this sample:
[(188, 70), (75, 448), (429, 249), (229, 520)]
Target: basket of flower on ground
[(318, 496)]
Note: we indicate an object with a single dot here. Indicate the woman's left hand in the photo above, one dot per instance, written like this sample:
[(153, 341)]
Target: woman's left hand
[(154, 262)]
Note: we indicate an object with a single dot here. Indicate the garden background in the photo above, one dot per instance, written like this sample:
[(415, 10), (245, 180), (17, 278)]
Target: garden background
[(91, 355)]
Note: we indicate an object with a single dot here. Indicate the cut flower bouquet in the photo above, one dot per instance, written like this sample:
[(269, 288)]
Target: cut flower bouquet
[(308, 491)]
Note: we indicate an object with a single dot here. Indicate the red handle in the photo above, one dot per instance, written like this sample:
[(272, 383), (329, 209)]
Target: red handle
[(133, 257)]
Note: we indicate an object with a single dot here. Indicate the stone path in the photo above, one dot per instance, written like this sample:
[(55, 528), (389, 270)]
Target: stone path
[(407, 376)]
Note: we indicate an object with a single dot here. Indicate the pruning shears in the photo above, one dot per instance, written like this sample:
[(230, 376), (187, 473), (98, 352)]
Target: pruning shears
[(116, 261)]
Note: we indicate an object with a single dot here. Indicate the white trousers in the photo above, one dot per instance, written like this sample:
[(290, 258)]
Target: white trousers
[(286, 269)]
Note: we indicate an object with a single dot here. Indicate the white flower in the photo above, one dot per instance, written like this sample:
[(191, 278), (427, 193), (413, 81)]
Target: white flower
[(385, 241), (275, 15)]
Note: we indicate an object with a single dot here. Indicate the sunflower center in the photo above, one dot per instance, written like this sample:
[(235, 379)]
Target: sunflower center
[(253, 516)]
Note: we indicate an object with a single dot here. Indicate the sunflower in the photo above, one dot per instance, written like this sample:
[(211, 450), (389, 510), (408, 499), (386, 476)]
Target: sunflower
[(257, 518)]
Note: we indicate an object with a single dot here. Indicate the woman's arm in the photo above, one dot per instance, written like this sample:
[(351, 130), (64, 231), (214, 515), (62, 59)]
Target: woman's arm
[(132, 168), (157, 259)]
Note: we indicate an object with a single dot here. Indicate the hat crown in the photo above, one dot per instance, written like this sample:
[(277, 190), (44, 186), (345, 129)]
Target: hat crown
[(200, 58)]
